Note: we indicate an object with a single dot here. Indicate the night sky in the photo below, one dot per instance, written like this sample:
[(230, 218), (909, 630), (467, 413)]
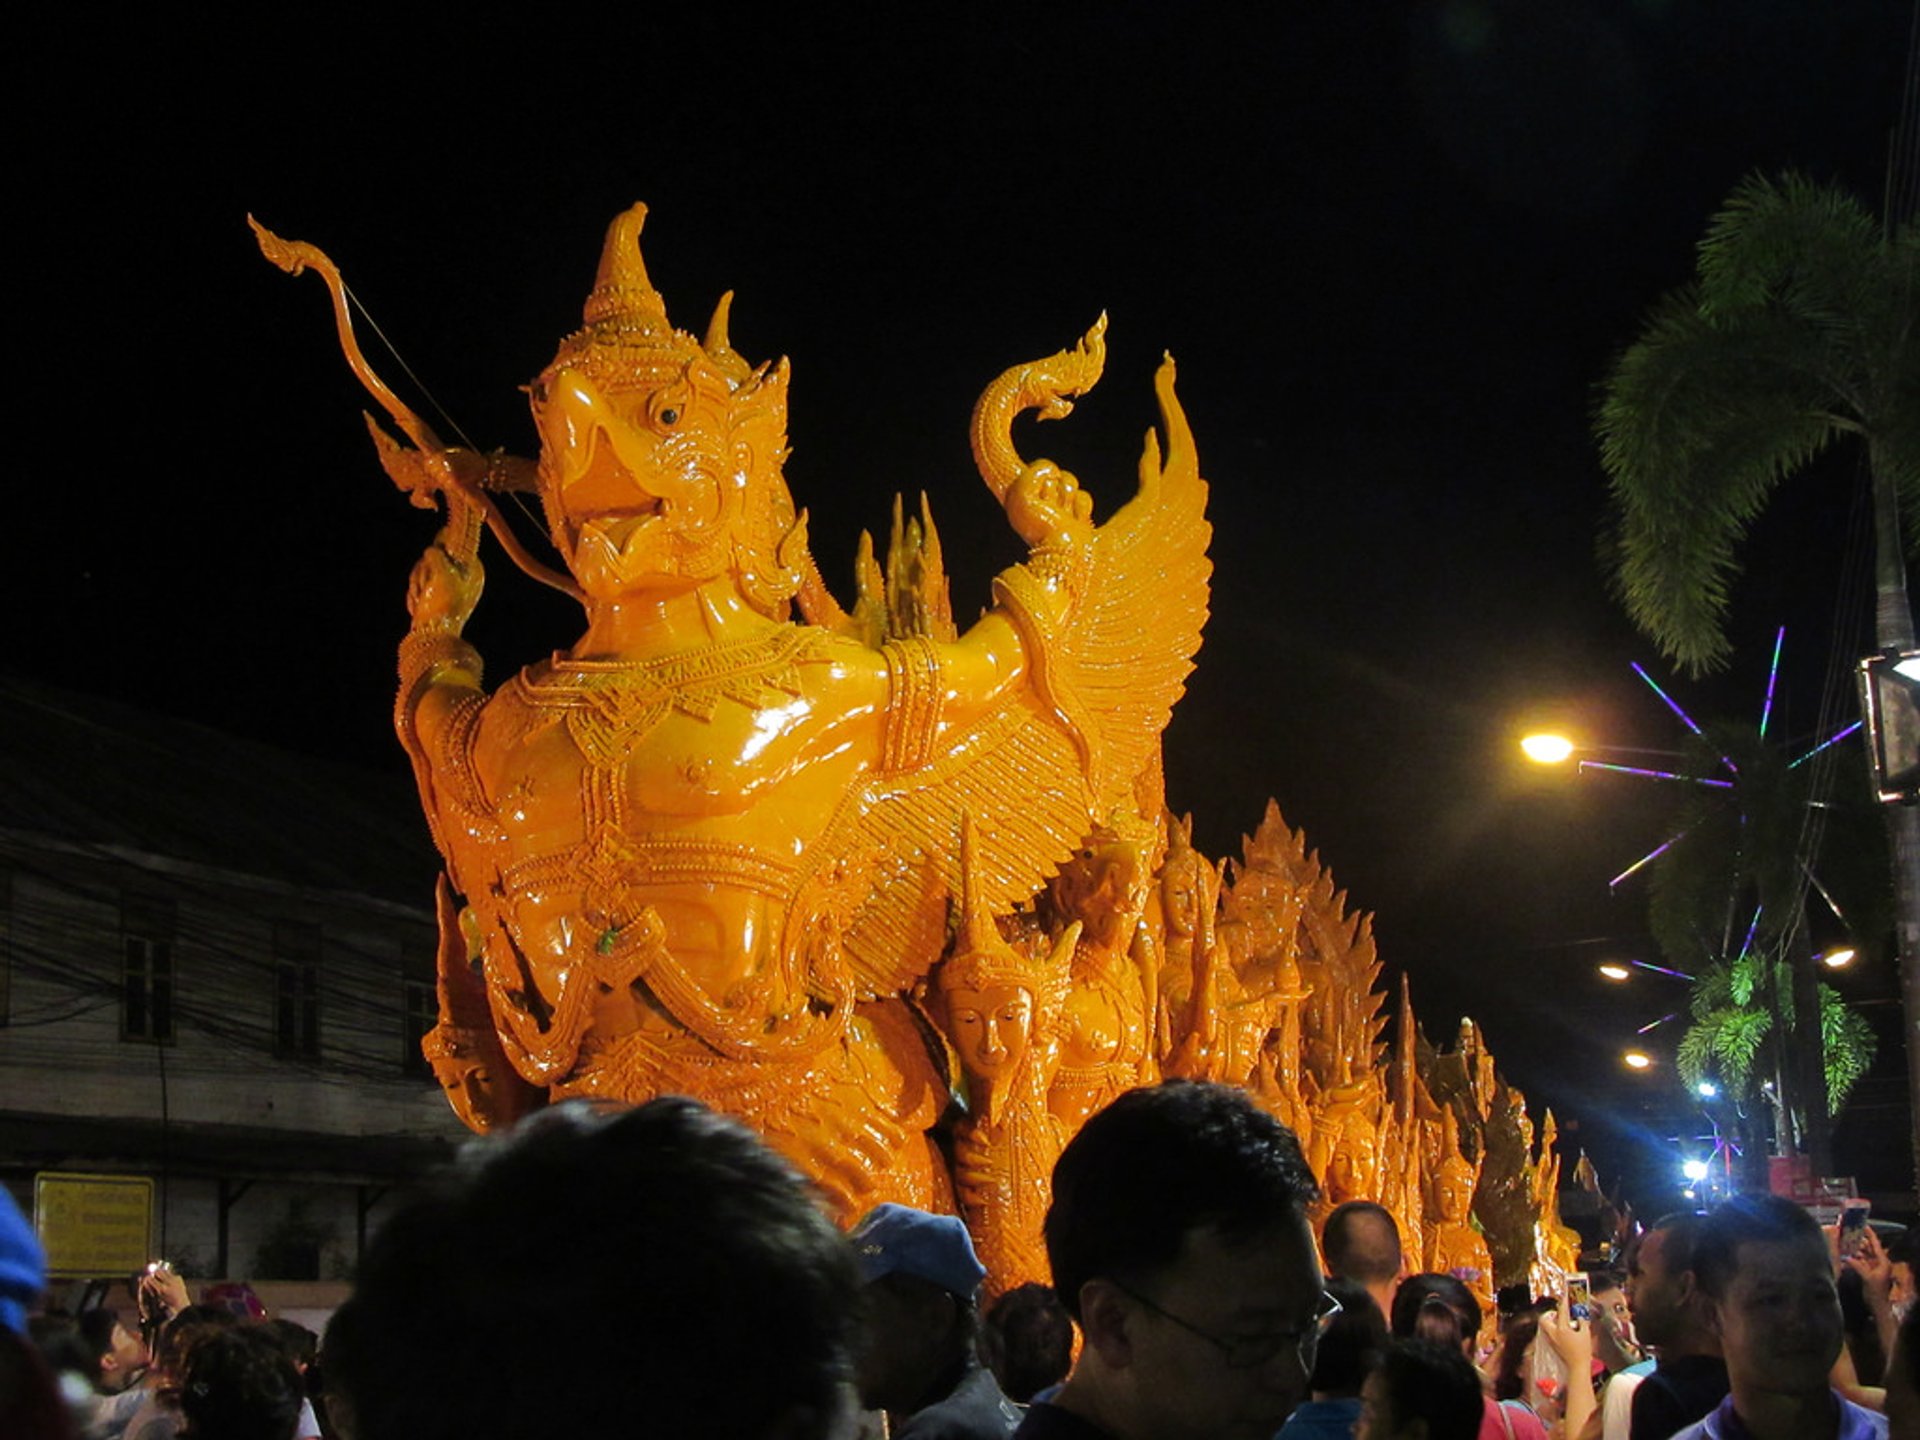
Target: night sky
[(1393, 247)]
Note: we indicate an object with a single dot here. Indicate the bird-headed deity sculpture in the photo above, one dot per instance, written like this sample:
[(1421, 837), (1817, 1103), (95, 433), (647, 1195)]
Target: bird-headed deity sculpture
[(709, 847)]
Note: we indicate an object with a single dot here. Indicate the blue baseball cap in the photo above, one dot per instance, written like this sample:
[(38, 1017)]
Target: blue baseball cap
[(898, 1239)]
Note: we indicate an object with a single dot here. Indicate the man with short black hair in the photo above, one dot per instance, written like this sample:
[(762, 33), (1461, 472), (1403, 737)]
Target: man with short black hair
[(1179, 1241), (1362, 1244), (919, 1359), (600, 1272), (1766, 1277), (1664, 1299)]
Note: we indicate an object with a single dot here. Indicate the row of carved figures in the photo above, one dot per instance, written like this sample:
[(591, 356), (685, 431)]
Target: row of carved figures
[(1145, 960)]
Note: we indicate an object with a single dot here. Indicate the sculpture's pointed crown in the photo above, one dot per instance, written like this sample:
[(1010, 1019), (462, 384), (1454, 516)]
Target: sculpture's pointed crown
[(623, 299), (626, 335), (982, 957)]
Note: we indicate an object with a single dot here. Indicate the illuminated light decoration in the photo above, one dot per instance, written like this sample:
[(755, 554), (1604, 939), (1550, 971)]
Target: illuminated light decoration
[(1673, 705), (1637, 1060), (1663, 970), (1654, 774), (1694, 1170), (1838, 959), (1646, 860), (1615, 972), (1833, 739), (1656, 1024), (1707, 1090), (1547, 749), (1773, 674), (1752, 926)]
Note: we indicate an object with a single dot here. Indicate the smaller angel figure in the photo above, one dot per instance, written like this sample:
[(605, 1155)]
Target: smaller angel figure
[(1001, 1008)]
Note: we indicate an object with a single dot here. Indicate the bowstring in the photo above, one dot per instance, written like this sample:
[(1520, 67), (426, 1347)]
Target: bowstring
[(401, 360), (519, 500)]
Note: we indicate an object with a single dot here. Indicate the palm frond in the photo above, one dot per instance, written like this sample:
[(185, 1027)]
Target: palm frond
[(1697, 427), (1789, 241), (1848, 1043)]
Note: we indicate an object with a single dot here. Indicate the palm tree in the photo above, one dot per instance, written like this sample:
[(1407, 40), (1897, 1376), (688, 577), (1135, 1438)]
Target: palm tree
[(1794, 336), (1728, 904)]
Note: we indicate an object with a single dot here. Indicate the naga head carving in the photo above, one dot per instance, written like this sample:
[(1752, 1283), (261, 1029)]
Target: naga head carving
[(661, 455)]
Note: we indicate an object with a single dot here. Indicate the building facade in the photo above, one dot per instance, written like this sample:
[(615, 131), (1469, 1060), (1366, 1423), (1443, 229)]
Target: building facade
[(216, 964)]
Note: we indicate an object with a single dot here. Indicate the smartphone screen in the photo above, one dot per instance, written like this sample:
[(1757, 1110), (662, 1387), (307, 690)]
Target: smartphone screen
[(1579, 1298), (1853, 1224)]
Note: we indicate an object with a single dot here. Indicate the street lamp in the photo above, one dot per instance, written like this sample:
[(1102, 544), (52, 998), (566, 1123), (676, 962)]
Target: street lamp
[(1637, 1060), (1618, 970)]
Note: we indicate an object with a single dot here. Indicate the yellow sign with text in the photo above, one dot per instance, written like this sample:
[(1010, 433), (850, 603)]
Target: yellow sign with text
[(93, 1225)]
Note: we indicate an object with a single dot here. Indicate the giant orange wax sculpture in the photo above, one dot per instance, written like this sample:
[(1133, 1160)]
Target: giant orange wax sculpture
[(907, 900)]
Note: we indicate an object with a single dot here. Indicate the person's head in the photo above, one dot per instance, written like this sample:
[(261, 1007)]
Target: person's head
[(1028, 1339), (301, 1344), (696, 1253), (119, 1354), (1766, 1277), (1178, 1239), (1362, 1243), (1662, 1284), (1421, 1392), (921, 1276), (179, 1337), (1614, 1345), (1351, 1345), (1510, 1364), (240, 1385), (1438, 1309)]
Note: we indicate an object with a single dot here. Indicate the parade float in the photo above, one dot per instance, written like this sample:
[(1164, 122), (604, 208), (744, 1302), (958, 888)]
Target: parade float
[(906, 898)]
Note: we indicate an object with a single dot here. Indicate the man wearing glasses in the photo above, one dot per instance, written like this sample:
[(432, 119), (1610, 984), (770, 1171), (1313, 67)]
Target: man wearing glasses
[(1179, 1243)]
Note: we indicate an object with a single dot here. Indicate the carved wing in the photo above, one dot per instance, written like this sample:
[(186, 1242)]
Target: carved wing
[(1053, 759), (1131, 643)]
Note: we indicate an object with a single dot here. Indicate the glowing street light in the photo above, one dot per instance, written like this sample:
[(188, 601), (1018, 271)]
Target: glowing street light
[(1637, 1060), (1623, 970), (1547, 749), (1707, 1090), (1838, 958), (1695, 1170)]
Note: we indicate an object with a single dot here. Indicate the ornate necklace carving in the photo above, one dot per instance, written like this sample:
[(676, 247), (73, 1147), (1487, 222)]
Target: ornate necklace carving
[(610, 705)]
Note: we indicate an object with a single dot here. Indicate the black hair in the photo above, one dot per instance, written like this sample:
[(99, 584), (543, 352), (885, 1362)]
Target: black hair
[(240, 1385), (96, 1328), (695, 1254), (1682, 1232), (1028, 1340), (1437, 1385), (1766, 1219), (1352, 1344), (1413, 1313), (1361, 1242), (1508, 1381), (1159, 1164)]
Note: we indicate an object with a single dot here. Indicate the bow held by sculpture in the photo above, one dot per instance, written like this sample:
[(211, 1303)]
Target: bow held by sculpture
[(709, 847)]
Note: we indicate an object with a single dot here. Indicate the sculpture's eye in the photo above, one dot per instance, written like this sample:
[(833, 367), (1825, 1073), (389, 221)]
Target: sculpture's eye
[(669, 416)]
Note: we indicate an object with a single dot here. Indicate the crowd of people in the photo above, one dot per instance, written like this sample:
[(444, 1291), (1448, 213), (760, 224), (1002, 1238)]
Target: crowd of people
[(658, 1270)]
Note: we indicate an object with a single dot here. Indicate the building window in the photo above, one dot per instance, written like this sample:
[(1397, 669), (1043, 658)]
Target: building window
[(296, 994), (422, 1014), (146, 977)]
